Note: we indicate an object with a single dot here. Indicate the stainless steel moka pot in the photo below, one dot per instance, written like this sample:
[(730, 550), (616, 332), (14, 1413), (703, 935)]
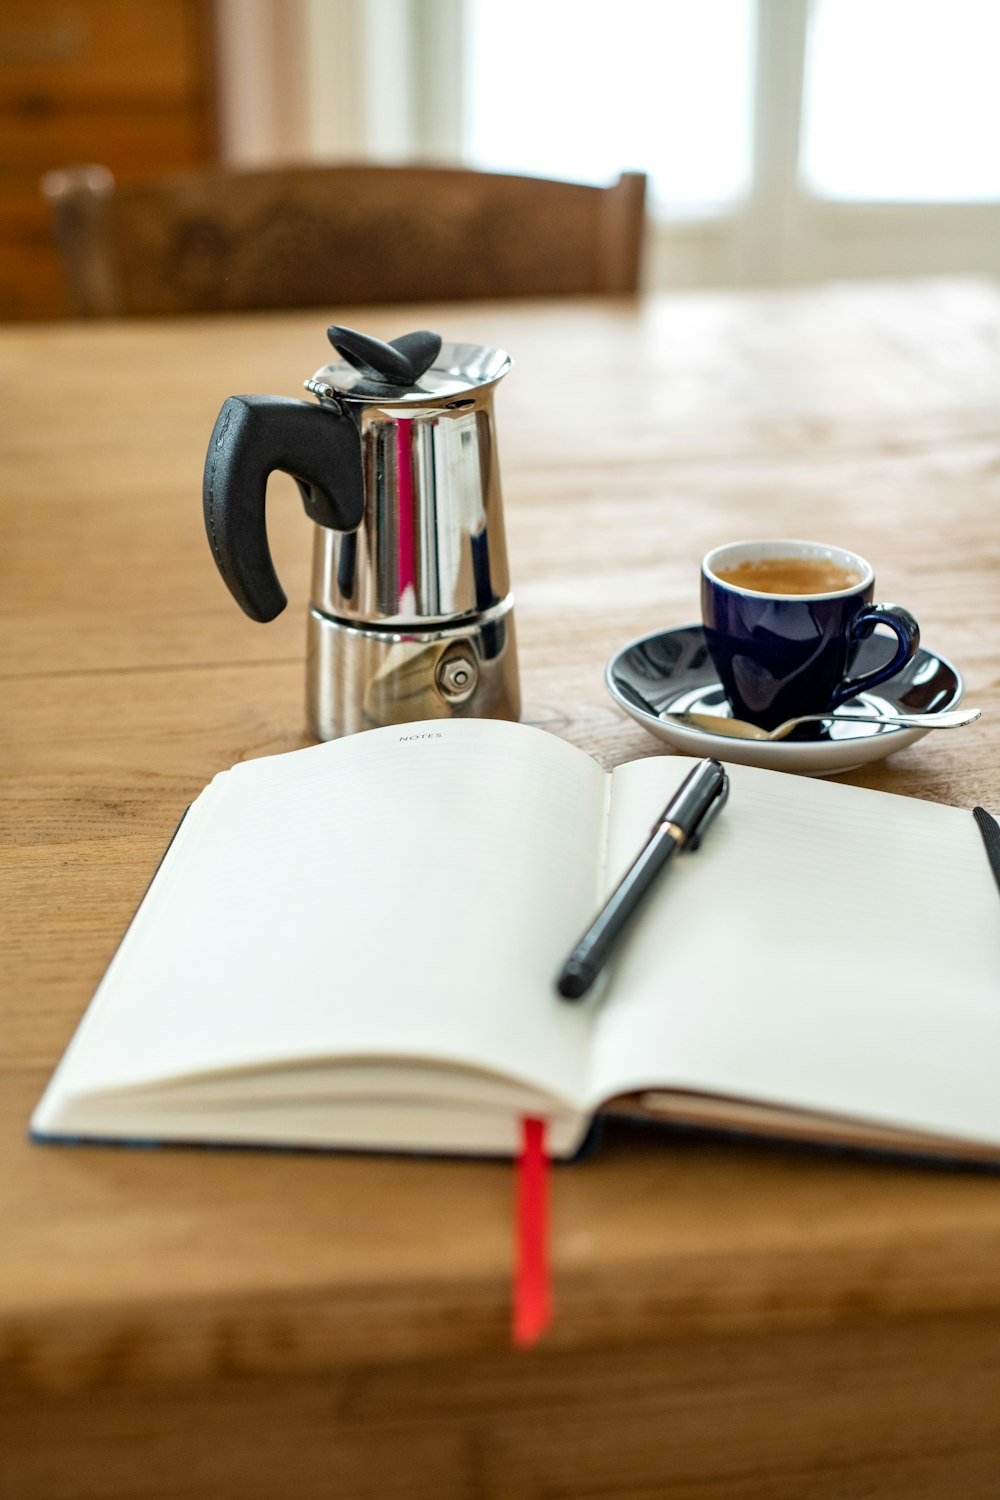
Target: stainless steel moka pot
[(411, 614)]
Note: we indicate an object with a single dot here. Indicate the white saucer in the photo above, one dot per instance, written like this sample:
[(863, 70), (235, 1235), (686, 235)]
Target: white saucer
[(672, 672)]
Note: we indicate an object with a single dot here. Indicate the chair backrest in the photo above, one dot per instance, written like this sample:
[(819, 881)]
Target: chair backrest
[(218, 240)]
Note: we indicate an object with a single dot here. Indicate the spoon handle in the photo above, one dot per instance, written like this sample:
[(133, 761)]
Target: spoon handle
[(949, 718)]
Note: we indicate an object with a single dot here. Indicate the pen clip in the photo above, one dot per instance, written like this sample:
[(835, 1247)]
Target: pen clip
[(711, 812)]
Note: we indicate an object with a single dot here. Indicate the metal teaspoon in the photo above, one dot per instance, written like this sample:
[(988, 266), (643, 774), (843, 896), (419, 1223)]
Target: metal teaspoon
[(739, 729)]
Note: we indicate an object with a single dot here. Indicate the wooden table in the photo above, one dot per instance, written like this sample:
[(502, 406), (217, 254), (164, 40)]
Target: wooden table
[(732, 1320)]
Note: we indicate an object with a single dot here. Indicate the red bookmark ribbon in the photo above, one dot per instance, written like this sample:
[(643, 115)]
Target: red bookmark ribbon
[(532, 1288)]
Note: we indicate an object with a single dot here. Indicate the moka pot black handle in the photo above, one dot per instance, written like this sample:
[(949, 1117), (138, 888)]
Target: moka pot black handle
[(254, 435)]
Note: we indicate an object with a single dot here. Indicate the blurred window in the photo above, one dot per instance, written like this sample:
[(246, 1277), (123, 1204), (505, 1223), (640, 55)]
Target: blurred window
[(901, 101), (581, 90), (785, 140)]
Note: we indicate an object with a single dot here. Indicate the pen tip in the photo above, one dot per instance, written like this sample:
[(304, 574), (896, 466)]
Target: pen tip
[(575, 980)]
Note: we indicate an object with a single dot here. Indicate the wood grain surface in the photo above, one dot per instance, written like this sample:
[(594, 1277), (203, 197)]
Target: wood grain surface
[(732, 1320)]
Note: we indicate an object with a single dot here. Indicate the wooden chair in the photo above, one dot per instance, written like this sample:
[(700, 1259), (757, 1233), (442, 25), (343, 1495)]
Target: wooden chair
[(218, 240)]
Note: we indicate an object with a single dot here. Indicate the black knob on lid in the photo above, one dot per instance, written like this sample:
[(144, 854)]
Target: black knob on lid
[(402, 361)]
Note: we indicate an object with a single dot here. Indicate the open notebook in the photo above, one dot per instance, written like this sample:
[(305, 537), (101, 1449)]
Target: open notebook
[(355, 946)]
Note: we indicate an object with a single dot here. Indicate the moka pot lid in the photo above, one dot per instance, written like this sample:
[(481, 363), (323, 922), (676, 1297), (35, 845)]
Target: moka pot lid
[(414, 369)]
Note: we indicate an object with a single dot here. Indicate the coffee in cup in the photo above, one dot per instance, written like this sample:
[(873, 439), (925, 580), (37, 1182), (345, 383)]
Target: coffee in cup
[(790, 575), (782, 622)]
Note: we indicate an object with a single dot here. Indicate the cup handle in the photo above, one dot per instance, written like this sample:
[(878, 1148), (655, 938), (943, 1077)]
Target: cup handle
[(907, 633)]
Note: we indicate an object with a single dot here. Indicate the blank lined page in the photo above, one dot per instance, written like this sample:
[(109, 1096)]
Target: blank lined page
[(828, 947), (409, 892)]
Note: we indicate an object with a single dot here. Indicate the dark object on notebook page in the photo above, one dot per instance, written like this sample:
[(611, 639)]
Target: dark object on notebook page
[(681, 825), (990, 830), (411, 616)]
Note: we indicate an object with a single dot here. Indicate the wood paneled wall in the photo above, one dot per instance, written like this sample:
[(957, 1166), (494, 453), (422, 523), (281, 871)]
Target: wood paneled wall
[(128, 85)]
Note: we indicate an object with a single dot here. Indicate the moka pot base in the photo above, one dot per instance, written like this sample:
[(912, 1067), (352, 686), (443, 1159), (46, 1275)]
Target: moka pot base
[(359, 678)]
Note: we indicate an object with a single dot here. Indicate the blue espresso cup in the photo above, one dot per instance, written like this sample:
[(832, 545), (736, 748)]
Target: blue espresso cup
[(782, 621)]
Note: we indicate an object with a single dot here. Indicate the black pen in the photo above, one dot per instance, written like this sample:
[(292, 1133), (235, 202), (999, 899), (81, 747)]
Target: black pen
[(681, 825)]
